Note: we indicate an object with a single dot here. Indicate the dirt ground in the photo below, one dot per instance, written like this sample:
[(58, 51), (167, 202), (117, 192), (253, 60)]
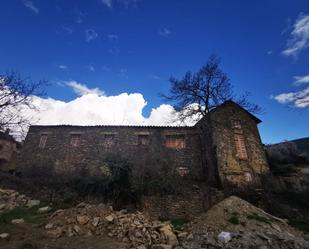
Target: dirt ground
[(33, 236)]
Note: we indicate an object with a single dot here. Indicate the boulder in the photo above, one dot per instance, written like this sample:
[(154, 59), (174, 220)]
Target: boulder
[(49, 226), (44, 210), (110, 218), (32, 203), (95, 221), (4, 236), (167, 232), (82, 219), (161, 246), (55, 233), (18, 221)]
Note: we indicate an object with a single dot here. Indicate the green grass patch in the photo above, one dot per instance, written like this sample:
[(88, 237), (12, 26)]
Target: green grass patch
[(300, 224), (255, 216), (234, 220), (28, 214), (178, 223)]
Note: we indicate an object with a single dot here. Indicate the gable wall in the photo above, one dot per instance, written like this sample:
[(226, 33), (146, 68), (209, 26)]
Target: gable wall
[(232, 170)]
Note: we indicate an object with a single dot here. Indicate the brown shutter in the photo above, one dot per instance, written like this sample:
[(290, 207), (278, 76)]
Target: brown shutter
[(240, 146)]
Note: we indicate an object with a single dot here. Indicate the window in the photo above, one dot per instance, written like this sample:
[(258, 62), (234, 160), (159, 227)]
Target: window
[(75, 140), (109, 140), (182, 171), (236, 124), (175, 141), (43, 140), (248, 177), (241, 151), (142, 139)]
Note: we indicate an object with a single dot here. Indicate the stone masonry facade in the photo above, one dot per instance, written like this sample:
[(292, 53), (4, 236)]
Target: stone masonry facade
[(69, 151)]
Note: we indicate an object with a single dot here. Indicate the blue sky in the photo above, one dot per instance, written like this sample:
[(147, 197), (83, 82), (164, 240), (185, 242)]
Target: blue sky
[(124, 46)]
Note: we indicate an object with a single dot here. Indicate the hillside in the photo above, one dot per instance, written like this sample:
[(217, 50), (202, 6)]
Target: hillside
[(302, 145)]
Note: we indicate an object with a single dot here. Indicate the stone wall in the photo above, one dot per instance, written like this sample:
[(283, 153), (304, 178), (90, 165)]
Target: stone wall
[(187, 205), (59, 157), (233, 169), (89, 158), (8, 152)]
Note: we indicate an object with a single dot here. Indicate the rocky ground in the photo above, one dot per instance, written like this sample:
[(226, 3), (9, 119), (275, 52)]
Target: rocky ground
[(27, 223)]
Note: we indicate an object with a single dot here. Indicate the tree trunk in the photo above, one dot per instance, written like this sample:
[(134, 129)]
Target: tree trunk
[(209, 158)]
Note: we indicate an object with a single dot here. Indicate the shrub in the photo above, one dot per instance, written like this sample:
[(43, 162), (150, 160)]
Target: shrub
[(234, 220)]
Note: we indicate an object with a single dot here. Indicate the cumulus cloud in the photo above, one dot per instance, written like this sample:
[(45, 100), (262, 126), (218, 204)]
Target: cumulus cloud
[(90, 35), (299, 80), (30, 5), (299, 37), (81, 89), (93, 109), (299, 99)]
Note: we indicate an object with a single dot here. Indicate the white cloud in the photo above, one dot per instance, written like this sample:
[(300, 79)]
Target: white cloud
[(92, 109), (108, 3), (269, 52), (30, 5), (63, 67), (90, 34), (123, 3), (81, 89), (67, 29), (112, 37), (299, 80), (154, 76), (91, 68), (299, 99), (164, 32), (299, 37)]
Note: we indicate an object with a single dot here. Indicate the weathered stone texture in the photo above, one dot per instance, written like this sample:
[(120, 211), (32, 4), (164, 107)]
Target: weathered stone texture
[(233, 170), (89, 157), (59, 157), (8, 151)]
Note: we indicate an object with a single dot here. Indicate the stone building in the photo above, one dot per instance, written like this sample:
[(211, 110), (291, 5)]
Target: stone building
[(8, 151), (65, 150)]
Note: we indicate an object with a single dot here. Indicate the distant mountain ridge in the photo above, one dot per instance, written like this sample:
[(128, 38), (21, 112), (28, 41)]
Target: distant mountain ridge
[(302, 145)]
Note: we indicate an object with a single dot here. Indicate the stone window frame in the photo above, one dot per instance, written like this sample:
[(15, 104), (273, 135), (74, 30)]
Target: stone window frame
[(43, 140), (182, 171), (75, 139), (236, 124), (248, 176), (176, 145), (141, 142), (110, 136)]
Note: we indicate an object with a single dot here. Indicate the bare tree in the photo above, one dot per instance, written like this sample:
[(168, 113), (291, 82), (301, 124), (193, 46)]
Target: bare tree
[(195, 95), (15, 95)]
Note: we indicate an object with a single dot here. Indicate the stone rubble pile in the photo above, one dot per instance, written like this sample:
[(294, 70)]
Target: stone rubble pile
[(10, 199), (134, 229), (248, 226)]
